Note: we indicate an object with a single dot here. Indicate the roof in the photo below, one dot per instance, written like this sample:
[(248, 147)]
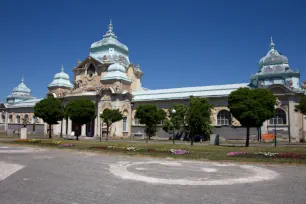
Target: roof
[(186, 92), (25, 104)]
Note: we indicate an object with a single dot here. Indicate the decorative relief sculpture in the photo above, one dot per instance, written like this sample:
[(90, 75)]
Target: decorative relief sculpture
[(304, 85), (278, 103)]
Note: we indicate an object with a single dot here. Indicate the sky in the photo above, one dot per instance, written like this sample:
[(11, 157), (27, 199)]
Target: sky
[(177, 43)]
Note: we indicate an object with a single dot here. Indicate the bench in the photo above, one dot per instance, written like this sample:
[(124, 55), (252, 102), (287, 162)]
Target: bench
[(267, 137)]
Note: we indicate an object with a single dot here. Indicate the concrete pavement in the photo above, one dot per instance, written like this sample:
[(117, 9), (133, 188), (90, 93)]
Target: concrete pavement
[(45, 176)]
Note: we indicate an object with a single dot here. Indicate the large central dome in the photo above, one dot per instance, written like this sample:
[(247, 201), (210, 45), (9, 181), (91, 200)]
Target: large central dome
[(109, 49)]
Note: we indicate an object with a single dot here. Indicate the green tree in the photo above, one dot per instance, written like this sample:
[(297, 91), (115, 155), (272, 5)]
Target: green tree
[(251, 107), (198, 118), (301, 107), (109, 117), (150, 116), (168, 126), (80, 111), (49, 109), (176, 120)]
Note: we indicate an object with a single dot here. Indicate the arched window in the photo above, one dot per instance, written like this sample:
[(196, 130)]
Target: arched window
[(26, 118), (224, 117), (124, 124), (18, 119), (91, 70), (280, 118), (3, 118)]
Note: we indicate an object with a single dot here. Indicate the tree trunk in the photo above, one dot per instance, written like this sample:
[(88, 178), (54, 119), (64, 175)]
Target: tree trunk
[(191, 139), (247, 137), (50, 136), (77, 137)]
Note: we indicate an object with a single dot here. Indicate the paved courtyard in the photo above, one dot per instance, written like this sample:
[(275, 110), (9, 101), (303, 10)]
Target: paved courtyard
[(33, 175)]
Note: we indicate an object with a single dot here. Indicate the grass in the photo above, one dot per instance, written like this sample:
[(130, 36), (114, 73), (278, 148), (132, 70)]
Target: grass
[(202, 152)]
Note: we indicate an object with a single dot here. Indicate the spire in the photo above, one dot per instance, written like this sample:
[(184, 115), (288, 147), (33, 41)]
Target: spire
[(22, 79), (62, 70), (110, 26), (272, 45), (110, 32)]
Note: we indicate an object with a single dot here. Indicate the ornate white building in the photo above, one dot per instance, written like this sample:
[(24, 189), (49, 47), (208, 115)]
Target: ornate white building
[(108, 78)]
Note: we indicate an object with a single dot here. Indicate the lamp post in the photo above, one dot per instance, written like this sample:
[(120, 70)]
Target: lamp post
[(100, 127), (173, 111), (275, 120)]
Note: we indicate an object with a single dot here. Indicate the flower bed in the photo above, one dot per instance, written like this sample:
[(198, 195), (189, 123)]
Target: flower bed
[(235, 154), (67, 145), (273, 155), (136, 149)]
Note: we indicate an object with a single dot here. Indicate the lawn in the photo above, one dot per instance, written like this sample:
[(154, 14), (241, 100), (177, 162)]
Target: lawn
[(199, 152)]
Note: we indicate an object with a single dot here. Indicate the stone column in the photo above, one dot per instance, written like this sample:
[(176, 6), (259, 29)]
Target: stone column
[(264, 128), (69, 126), (304, 128), (293, 122), (64, 127), (95, 126), (83, 131), (6, 122)]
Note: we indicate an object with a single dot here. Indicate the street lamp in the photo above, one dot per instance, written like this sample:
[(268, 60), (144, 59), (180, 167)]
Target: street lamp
[(100, 127), (173, 111), (275, 120)]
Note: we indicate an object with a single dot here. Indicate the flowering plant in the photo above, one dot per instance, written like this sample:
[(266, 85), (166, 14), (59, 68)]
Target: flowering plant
[(233, 154), (131, 149), (67, 145), (178, 151)]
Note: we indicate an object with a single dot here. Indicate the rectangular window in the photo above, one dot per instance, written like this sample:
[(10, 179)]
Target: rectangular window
[(124, 123)]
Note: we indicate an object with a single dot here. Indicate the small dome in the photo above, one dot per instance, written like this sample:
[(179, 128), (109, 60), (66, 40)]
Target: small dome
[(116, 72), (61, 79), (273, 57), (21, 89), (116, 67)]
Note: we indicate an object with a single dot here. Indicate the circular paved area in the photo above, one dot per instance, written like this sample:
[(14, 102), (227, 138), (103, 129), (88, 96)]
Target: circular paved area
[(191, 173)]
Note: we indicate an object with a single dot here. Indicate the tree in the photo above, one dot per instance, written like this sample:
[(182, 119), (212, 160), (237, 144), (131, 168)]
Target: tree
[(251, 107), (80, 111), (109, 117), (150, 116), (198, 118), (176, 120), (50, 111), (301, 107)]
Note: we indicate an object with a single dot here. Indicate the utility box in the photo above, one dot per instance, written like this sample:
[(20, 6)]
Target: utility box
[(214, 139)]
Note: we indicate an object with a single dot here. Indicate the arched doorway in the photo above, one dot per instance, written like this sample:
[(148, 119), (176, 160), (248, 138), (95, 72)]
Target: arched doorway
[(90, 129), (77, 129)]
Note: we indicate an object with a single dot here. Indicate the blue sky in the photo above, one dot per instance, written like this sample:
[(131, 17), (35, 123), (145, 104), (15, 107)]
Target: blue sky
[(177, 43)]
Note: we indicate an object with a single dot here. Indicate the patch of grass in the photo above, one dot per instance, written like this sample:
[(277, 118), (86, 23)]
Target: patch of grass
[(202, 152)]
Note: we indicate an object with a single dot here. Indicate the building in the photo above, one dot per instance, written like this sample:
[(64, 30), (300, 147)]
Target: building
[(107, 77)]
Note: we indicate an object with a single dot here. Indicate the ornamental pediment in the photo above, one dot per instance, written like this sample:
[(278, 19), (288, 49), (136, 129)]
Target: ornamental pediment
[(279, 89)]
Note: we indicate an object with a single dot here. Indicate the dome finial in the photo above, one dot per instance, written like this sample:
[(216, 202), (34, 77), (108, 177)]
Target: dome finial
[(62, 68), (110, 26), (22, 79), (272, 45)]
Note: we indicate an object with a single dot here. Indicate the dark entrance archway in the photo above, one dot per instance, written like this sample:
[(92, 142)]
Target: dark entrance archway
[(90, 129), (77, 129)]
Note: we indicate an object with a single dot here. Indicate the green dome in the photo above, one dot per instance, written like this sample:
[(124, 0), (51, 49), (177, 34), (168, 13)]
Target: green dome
[(19, 93), (61, 79), (21, 89), (116, 72)]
